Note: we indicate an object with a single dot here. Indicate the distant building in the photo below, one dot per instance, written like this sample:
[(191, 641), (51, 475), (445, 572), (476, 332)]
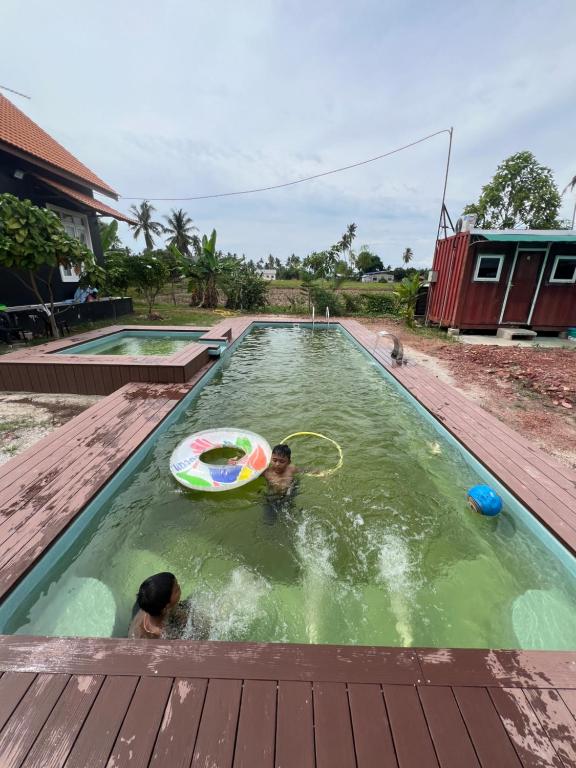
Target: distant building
[(267, 274), (378, 277)]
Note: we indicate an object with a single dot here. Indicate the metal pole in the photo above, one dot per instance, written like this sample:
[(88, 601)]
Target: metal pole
[(574, 215), (451, 131), (442, 207)]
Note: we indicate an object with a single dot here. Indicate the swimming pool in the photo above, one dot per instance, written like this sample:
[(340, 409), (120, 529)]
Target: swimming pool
[(386, 552), (136, 343)]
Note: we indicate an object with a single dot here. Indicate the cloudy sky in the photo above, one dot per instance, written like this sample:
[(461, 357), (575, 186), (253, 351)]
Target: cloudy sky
[(180, 98)]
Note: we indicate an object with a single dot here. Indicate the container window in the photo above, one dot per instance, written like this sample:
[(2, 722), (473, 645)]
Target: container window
[(488, 268), (563, 270)]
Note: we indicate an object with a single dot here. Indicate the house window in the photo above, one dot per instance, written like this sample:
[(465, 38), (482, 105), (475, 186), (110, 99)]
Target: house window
[(488, 268), (563, 270), (75, 225)]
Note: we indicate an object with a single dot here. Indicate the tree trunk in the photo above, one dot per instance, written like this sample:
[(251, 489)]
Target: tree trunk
[(51, 318)]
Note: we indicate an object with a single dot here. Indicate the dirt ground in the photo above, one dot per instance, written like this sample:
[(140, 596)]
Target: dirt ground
[(27, 417), (533, 390)]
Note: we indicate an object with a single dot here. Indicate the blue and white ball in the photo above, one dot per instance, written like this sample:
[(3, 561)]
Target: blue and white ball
[(484, 500)]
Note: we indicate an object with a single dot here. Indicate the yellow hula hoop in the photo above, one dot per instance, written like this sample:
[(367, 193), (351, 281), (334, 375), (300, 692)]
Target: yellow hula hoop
[(326, 472)]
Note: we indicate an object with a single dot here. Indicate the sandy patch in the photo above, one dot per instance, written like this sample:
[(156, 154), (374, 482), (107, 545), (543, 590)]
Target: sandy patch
[(26, 417)]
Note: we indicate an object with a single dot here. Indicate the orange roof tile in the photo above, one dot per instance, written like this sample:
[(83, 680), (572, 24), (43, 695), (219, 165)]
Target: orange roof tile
[(90, 202), (20, 132)]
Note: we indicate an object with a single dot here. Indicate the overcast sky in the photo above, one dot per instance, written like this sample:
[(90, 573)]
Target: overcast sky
[(176, 98)]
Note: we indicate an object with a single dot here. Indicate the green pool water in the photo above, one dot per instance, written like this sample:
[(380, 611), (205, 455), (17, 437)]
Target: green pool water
[(385, 552), (136, 343)]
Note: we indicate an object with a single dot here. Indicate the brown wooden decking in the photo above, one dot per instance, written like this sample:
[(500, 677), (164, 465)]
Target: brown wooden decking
[(79, 702), (39, 369)]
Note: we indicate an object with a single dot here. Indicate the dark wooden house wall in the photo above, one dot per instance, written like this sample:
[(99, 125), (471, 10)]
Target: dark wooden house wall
[(12, 292)]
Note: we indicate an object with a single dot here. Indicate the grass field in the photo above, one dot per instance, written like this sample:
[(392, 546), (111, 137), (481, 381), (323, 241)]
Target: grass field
[(346, 285)]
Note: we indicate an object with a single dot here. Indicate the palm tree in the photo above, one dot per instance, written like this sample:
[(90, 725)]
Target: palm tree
[(408, 256), (571, 186), (407, 294), (144, 224), (345, 243), (180, 228)]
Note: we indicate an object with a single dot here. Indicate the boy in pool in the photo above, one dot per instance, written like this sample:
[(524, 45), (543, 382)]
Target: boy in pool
[(157, 601), (281, 473)]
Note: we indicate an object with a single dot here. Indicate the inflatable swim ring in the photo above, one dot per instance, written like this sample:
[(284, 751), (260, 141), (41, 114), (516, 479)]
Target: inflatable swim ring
[(188, 468)]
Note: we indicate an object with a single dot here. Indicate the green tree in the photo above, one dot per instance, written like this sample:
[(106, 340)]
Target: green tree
[(117, 271), (180, 231), (366, 261), (522, 194), (148, 274), (208, 271), (407, 294), (33, 245), (321, 264), (176, 264), (144, 223), (407, 256), (109, 236)]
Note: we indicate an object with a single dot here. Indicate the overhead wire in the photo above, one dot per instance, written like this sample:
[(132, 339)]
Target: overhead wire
[(295, 181), (11, 90)]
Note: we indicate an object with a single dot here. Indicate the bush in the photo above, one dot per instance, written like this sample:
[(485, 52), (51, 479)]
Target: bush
[(352, 303), (244, 288), (325, 297), (380, 304)]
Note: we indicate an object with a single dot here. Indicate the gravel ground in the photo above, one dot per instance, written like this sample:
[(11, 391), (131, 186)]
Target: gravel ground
[(26, 417)]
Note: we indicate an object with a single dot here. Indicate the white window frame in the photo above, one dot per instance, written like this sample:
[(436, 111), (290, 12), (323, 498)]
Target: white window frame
[(73, 278), (479, 257), (562, 281)]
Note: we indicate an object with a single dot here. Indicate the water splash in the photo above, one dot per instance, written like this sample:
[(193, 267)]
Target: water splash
[(315, 553), (232, 609), (395, 568)]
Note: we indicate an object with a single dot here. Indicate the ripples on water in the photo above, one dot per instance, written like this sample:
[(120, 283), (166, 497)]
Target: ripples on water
[(385, 552)]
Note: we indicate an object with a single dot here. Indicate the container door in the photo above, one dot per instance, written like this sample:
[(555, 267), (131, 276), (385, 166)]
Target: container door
[(523, 287)]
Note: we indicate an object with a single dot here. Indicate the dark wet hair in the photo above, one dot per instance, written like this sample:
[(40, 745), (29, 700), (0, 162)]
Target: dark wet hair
[(282, 450), (155, 593)]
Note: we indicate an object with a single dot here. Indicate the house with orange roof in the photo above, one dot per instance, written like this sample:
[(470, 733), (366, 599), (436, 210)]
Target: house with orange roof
[(34, 166)]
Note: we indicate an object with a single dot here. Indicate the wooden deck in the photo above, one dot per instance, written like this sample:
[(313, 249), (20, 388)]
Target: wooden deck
[(39, 369), (92, 703), (82, 702)]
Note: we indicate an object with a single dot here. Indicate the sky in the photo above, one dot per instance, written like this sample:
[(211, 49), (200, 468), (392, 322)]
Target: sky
[(181, 98)]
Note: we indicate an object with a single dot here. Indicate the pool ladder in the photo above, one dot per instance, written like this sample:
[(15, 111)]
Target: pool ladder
[(398, 350)]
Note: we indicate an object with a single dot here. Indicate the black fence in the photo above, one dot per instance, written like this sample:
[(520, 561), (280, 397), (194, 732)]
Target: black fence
[(32, 318)]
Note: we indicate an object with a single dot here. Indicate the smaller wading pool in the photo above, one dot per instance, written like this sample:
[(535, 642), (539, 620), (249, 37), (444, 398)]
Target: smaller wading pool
[(164, 343)]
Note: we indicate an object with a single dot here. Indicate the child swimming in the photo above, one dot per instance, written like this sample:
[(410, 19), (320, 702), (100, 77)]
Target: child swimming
[(281, 473), (157, 600)]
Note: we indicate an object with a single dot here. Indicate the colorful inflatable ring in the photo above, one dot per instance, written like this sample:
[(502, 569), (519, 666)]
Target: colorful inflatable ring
[(326, 472), (188, 468)]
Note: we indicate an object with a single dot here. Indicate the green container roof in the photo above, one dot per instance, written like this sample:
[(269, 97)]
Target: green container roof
[(527, 235)]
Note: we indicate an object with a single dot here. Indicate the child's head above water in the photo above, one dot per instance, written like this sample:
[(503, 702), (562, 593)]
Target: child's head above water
[(158, 592), (281, 455)]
